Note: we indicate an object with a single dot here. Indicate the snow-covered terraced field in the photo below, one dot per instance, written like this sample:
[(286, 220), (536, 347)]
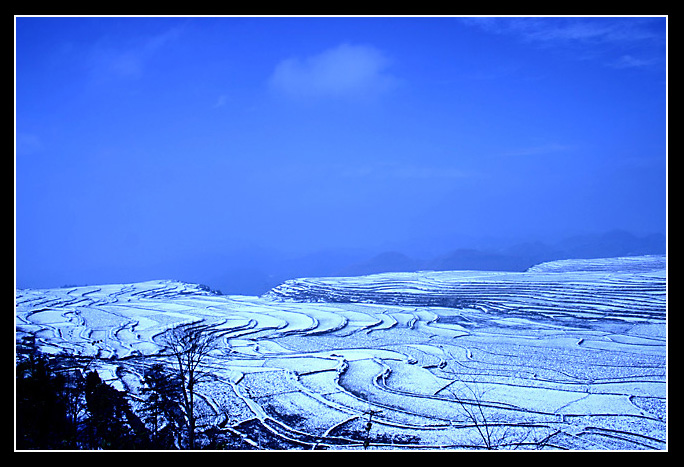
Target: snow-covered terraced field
[(568, 355)]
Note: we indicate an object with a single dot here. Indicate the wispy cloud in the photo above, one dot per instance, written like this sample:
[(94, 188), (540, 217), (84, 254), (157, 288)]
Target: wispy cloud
[(636, 40), (539, 150), (128, 62), (405, 172), (27, 144), (570, 29), (628, 61), (343, 71), (221, 101)]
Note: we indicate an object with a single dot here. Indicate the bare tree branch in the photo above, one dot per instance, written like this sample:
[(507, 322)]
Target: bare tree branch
[(190, 345)]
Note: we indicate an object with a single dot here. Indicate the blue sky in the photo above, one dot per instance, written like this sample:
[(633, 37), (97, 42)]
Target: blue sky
[(142, 142)]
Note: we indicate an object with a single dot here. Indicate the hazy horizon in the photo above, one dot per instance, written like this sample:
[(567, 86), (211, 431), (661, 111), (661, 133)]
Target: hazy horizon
[(152, 146)]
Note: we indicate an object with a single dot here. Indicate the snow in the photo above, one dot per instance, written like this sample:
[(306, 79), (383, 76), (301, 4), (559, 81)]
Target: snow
[(570, 346)]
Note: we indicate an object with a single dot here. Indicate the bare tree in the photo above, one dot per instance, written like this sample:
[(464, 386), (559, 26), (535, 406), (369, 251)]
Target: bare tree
[(473, 409), (190, 346), (496, 435)]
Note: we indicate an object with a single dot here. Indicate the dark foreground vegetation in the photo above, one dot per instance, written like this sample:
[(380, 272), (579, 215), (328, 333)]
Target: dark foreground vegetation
[(61, 403), (61, 406)]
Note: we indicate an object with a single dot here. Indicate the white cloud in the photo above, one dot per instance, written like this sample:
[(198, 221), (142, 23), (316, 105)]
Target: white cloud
[(343, 71)]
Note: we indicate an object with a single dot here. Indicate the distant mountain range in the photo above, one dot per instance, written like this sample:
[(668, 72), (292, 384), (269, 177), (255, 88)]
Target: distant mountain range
[(263, 275), (518, 257)]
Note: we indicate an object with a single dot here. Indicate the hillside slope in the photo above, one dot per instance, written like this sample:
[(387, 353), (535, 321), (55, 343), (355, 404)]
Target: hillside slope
[(569, 355)]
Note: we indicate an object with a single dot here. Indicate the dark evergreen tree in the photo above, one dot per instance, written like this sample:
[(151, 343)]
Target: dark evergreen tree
[(57, 408), (111, 423), (161, 410), (44, 405)]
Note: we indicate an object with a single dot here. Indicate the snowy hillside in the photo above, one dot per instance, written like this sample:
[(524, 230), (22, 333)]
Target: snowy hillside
[(615, 288), (624, 264), (568, 355)]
